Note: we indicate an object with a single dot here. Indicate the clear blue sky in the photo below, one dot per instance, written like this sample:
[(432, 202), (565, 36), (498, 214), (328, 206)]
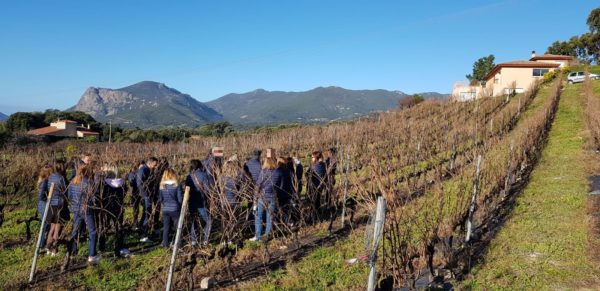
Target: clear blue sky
[(51, 51)]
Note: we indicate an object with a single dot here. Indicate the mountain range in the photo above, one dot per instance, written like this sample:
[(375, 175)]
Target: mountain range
[(3, 116), (150, 104)]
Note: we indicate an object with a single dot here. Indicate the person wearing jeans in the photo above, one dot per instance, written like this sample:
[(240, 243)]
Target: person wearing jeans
[(270, 182), (82, 201), (171, 199), (270, 207), (199, 183), (141, 180)]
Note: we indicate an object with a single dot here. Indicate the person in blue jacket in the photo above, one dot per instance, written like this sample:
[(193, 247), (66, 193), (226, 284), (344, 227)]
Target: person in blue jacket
[(232, 181), (82, 198), (83, 160), (145, 189), (316, 181), (43, 189), (252, 167), (171, 198), (269, 182), (55, 215), (135, 193), (199, 184)]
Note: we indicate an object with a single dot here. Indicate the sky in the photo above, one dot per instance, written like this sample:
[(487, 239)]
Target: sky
[(51, 51)]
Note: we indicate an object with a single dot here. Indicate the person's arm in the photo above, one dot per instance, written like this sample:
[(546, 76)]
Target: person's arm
[(43, 190), (179, 195), (139, 181)]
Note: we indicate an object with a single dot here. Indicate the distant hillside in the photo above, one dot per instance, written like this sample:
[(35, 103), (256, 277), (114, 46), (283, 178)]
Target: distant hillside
[(147, 105), (3, 116), (316, 105)]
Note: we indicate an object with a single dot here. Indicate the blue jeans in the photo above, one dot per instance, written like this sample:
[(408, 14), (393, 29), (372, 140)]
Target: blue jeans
[(169, 217), (270, 207), (146, 215), (90, 224), (203, 213)]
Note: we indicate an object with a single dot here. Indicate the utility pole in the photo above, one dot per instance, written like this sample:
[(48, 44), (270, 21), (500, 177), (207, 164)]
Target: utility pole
[(109, 130)]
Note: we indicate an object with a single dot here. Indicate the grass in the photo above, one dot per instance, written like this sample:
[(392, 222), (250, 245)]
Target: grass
[(324, 269), (543, 245)]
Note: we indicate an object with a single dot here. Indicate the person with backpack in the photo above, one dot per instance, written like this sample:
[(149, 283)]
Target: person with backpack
[(56, 213), (199, 183), (269, 182), (83, 207), (171, 199)]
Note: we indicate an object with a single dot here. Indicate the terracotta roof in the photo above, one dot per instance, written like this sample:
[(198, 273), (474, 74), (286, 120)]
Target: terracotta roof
[(44, 130), (520, 64), (551, 57)]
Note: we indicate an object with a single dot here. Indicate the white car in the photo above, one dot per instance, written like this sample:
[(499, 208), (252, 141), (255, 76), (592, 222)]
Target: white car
[(577, 77)]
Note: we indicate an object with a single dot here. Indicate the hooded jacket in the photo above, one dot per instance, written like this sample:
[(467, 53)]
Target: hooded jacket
[(113, 195), (170, 196)]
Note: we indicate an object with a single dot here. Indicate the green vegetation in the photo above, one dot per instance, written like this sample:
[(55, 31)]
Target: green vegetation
[(543, 245), (585, 46), (481, 67)]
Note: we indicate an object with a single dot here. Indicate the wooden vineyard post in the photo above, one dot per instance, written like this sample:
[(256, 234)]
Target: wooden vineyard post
[(182, 214), (39, 240), (346, 170), (377, 234), (473, 199)]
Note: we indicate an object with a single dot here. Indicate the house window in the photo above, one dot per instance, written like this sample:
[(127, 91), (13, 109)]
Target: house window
[(512, 91), (540, 72)]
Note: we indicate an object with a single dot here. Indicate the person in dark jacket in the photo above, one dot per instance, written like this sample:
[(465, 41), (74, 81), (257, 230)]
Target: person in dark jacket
[(83, 203), (285, 194), (199, 184), (232, 180), (213, 164), (136, 197), (145, 188), (298, 172), (113, 199), (270, 181), (316, 177), (330, 170), (55, 216), (43, 189), (171, 198), (253, 166)]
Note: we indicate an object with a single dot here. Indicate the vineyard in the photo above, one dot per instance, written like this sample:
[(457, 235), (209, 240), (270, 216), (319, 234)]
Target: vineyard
[(449, 173)]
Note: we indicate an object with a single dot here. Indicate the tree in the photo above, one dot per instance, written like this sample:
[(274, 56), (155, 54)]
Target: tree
[(481, 67), (593, 21), (410, 101), (565, 48), (23, 121)]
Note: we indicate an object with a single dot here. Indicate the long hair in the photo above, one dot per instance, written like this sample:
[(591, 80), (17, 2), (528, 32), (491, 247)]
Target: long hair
[(84, 171), (44, 173), (58, 167), (196, 165), (230, 169), (168, 175), (269, 164)]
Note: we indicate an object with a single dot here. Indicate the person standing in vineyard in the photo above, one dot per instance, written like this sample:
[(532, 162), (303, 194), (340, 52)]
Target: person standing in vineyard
[(199, 184), (57, 206), (83, 202), (298, 172), (136, 198), (330, 169), (269, 181), (316, 177), (286, 192), (253, 166), (213, 163), (142, 177), (43, 189), (113, 196), (171, 198)]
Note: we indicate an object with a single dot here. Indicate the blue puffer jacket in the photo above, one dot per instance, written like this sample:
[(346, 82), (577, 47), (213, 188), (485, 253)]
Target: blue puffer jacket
[(81, 197), (230, 188), (253, 168), (60, 187), (171, 198), (210, 167), (317, 174), (141, 178), (270, 182), (43, 190), (199, 183)]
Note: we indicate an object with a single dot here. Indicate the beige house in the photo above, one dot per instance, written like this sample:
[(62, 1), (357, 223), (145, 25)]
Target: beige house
[(64, 128), (512, 77)]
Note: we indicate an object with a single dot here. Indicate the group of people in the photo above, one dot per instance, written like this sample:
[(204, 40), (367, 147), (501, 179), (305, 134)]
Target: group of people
[(94, 197)]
